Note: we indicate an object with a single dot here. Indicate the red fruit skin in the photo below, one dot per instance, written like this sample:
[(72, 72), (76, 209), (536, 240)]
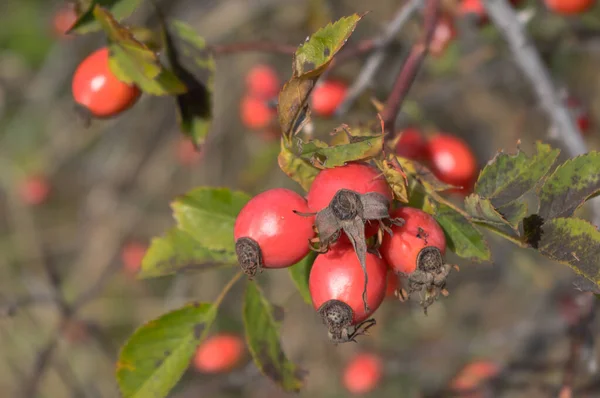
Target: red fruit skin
[(34, 190), (327, 96), (569, 7), (443, 35), (256, 113), (452, 161), (219, 353), (580, 114), (282, 235), (412, 145), (473, 375), (393, 283), (96, 88), (359, 177), (337, 275), (187, 155), (132, 255), (363, 373), (62, 21), (420, 229), (262, 82)]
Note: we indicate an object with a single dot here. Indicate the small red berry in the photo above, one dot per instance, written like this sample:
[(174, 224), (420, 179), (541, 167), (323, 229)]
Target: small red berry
[(580, 114), (327, 96), (269, 234), (569, 7), (412, 145), (443, 35), (34, 190), (219, 353), (363, 373), (473, 375), (393, 283), (262, 82), (336, 284), (97, 89), (187, 154), (401, 250), (63, 20), (256, 113), (452, 161), (132, 255), (358, 177)]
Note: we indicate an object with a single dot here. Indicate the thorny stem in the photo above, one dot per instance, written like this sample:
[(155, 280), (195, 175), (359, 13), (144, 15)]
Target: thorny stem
[(406, 75)]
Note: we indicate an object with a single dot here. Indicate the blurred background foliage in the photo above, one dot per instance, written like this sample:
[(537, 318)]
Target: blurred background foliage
[(111, 185)]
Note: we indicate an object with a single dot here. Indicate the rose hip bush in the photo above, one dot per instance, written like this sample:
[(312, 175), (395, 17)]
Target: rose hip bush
[(366, 204)]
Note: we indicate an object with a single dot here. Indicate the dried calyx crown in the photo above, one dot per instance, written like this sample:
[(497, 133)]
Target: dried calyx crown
[(337, 316)]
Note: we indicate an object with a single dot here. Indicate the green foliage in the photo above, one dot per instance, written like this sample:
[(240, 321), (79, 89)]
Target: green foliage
[(195, 66), (298, 169), (208, 215), (569, 186), (179, 251), (262, 321), (157, 354), (133, 62), (300, 273), (395, 176), (120, 9)]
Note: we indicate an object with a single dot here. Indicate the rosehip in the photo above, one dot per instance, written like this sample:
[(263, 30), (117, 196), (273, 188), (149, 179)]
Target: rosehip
[(63, 20), (403, 250), (363, 373), (412, 145), (327, 96), (187, 154), (336, 284), (132, 255), (443, 35), (269, 234), (452, 161), (256, 113), (262, 82), (98, 90), (34, 190), (476, 8), (569, 7), (219, 353), (580, 114), (393, 283), (473, 375)]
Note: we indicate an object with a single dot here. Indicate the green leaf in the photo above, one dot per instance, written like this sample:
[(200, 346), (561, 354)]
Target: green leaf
[(573, 242), (178, 251), (133, 62), (507, 178), (156, 355), (120, 9), (310, 61), (570, 185), (461, 235), (195, 66), (423, 175), (263, 323), (482, 210), (325, 156), (395, 176), (208, 215), (300, 273), (298, 169)]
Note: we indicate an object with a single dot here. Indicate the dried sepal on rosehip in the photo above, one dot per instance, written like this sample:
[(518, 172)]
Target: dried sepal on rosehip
[(348, 212), (337, 316)]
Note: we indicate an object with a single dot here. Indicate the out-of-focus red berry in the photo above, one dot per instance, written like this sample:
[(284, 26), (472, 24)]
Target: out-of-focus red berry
[(132, 255), (327, 96), (187, 154), (256, 113), (63, 20), (453, 162), (363, 373), (473, 376), (580, 114), (34, 190), (219, 353), (443, 35), (569, 7), (262, 82), (412, 145)]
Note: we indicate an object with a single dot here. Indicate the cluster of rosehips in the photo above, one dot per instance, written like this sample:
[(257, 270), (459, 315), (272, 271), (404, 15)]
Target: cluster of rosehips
[(348, 218)]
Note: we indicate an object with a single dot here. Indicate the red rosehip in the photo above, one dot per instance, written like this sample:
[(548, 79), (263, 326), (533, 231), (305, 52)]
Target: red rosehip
[(327, 96), (443, 35), (34, 190), (262, 82), (401, 250), (476, 8), (98, 90), (132, 255), (472, 376), (269, 234), (579, 113), (452, 161), (393, 283), (187, 154), (256, 113), (412, 145), (219, 353), (569, 7), (363, 373), (336, 284), (63, 20)]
